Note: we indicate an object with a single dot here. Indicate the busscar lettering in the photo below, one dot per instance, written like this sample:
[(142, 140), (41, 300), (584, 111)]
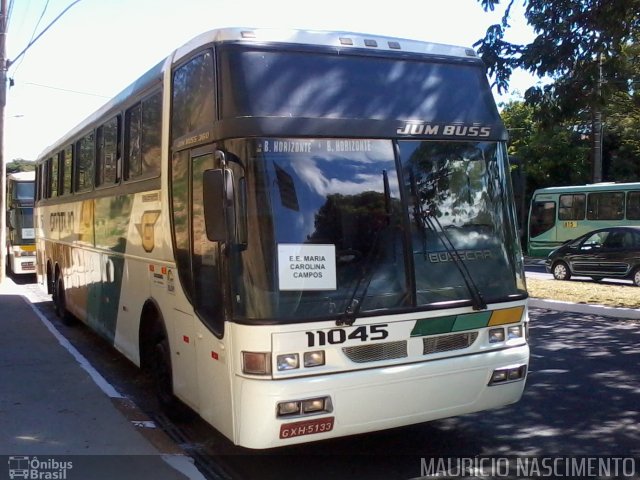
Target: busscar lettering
[(471, 255), (445, 130)]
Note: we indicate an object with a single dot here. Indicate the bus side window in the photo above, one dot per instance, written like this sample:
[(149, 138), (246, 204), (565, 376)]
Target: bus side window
[(633, 206), (143, 137), (67, 169), (84, 163), (108, 153), (53, 179), (543, 218)]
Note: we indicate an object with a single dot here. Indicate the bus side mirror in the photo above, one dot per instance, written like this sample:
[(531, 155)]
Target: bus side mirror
[(217, 196)]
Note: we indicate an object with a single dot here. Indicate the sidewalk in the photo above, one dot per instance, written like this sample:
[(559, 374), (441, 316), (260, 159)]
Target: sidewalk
[(54, 415)]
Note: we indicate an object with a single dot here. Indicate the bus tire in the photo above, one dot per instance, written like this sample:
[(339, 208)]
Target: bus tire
[(162, 377), (636, 277), (60, 303), (561, 271)]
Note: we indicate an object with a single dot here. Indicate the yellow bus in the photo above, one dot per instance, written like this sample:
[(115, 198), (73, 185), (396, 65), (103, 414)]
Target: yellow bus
[(301, 235)]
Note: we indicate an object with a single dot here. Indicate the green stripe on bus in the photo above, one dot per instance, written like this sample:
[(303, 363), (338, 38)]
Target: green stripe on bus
[(471, 321), (452, 323), (433, 326)]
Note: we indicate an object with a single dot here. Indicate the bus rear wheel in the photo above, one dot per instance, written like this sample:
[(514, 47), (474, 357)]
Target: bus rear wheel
[(60, 303), (561, 271)]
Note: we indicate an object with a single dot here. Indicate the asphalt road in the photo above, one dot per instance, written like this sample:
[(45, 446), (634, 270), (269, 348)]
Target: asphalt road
[(581, 398)]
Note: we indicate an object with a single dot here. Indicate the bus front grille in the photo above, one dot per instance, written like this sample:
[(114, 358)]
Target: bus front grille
[(376, 351), (447, 343)]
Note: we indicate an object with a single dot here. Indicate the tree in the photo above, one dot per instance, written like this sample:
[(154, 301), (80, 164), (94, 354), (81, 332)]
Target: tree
[(20, 165), (583, 46), (548, 155)]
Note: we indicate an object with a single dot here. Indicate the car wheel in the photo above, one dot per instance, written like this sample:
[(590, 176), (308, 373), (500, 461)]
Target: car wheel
[(636, 277), (561, 271)]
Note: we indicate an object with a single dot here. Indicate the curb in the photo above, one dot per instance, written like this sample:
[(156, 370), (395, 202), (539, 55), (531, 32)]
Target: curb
[(624, 313)]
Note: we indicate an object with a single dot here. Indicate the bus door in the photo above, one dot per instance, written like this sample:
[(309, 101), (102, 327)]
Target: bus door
[(200, 268)]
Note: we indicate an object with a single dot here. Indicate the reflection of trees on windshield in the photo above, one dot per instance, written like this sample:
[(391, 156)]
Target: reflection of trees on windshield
[(350, 221), (450, 181)]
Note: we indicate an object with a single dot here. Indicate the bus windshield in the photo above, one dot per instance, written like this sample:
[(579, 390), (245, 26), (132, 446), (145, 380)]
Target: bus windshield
[(334, 226), (21, 223)]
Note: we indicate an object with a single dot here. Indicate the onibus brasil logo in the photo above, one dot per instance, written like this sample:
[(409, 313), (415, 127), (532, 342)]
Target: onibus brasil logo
[(33, 468)]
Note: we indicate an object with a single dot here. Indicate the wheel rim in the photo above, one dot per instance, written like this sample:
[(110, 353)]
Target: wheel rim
[(636, 277), (560, 271)]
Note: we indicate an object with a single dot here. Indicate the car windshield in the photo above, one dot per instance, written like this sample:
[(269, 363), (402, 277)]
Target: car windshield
[(334, 226)]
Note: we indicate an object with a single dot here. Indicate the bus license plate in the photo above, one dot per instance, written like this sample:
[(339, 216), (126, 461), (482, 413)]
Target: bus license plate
[(306, 427)]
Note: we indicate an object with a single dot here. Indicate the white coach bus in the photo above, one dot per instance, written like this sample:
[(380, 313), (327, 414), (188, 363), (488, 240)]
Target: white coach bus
[(301, 235), (21, 248)]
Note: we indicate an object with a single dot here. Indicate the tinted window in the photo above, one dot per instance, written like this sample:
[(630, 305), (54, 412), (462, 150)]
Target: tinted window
[(284, 84), (572, 207), (605, 206), (193, 97), (67, 165), (108, 152), (144, 130), (618, 239), (543, 218), (151, 134), (53, 179), (85, 160), (633, 205), (134, 133)]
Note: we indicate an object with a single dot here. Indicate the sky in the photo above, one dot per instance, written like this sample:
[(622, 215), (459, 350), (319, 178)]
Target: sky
[(98, 47)]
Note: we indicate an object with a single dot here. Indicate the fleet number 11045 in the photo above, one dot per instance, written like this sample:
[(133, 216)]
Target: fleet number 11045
[(336, 336)]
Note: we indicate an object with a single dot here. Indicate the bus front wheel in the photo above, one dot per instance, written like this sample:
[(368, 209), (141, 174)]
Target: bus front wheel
[(162, 377), (561, 271)]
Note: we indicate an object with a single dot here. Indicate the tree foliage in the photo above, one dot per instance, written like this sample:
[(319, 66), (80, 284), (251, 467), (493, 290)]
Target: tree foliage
[(20, 165), (589, 50)]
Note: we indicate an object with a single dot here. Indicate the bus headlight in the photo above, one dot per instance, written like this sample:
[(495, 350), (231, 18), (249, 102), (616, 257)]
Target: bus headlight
[(314, 359), (514, 332), (288, 361), (256, 363), (496, 335)]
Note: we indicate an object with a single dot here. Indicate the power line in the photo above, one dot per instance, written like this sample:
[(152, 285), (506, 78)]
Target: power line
[(10, 62), (44, 10), (66, 90)]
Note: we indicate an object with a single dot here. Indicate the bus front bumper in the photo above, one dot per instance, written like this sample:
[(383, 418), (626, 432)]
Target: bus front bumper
[(374, 399)]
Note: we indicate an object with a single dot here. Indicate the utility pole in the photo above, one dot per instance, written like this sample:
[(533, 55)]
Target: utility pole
[(4, 66), (3, 167), (596, 127)]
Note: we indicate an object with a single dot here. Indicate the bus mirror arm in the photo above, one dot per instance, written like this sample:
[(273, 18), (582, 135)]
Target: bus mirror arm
[(217, 197)]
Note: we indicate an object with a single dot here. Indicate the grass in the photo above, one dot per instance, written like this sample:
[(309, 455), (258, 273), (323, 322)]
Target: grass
[(584, 291)]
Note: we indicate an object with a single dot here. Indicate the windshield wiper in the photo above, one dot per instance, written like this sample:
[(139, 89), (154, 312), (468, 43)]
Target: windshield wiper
[(354, 305), (477, 300)]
